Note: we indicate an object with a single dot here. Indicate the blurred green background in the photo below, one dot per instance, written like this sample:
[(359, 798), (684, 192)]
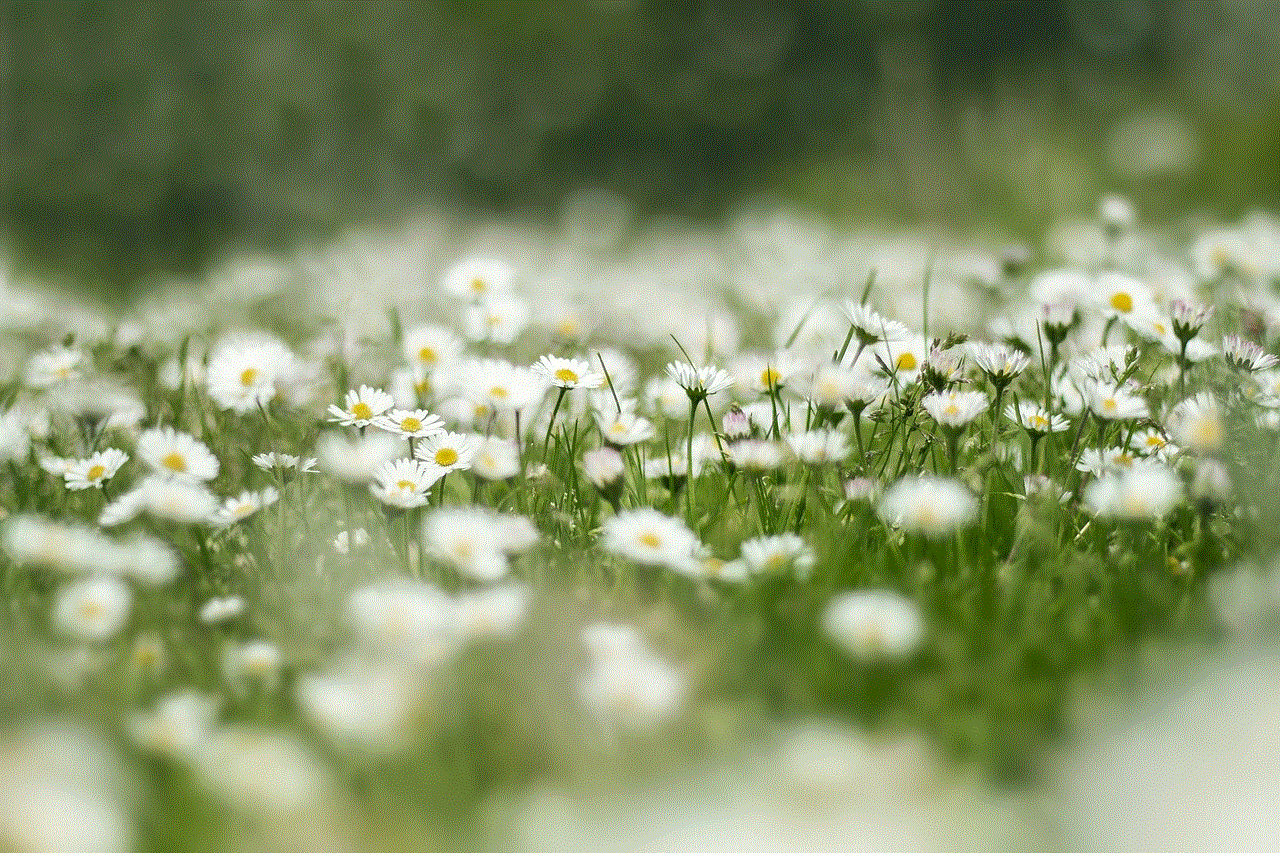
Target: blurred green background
[(141, 139)]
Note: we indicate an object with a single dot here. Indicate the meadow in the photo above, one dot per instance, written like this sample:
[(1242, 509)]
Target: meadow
[(773, 535)]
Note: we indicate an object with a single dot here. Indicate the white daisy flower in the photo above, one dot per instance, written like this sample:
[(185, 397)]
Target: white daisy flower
[(176, 455), (870, 326), (361, 407), (1000, 362), (177, 726), (58, 466), (901, 358), (1114, 403), (93, 472), (634, 691), (256, 662), (1152, 442), (874, 624), (430, 347), (1244, 354), (776, 554), (54, 366), (1123, 296), (1035, 419), (699, 382), (927, 505), (496, 459), (567, 372), (1197, 423), (241, 507), (955, 409), (1146, 492), (217, 610), (624, 428), (819, 446), (648, 537), (502, 386), (410, 423), (498, 319), (175, 500), (242, 374), (469, 539), (603, 467), (478, 278), (93, 608), (1098, 461), (355, 458), (755, 455), (494, 612), (449, 451), (285, 462), (404, 483)]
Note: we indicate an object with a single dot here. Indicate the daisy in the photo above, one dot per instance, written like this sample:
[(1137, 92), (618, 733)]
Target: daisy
[(902, 358), (477, 278), (494, 612), (410, 423), (360, 408), (355, 458), (699, 382), (1189, 319), (54, 366), (873, 624), (217, 610), (1152, 442), (775, 554), (239, 508), (175, 500), (274, 461), (177, 726), (1035, 419), (92, 473), (765, 374), (870, 326), (930, 506), (624, 428), (242, 375), (755, 455), (637, 691), (92, 609), (1145, 492), (819, 446), (1246, 355), (1000, 362), (256, 662), (1197, 423), (1097, 461), (1123, 296), (943, 367), (469, 539), (567, 372), (648, 537), (604, 468), (954, 409), (498, 319), (1113, 403), (403, 483), (176, 455), (448, 451), (496, 459), (429, 347), (58, 466), (501, 386)]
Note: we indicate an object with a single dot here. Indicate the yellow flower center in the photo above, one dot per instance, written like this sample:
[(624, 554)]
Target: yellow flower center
[(1155, 441), (248, 376), (477, 285), (362, 411), (446, 456), (567, 328), (91, 609), (427, 355), (906, 361), (404, 485), (175, 462), (1038, 421), (770, 377), (497, 392), (1122, 302), (649, 539), (1110, 405), (564, 374), (410, 424), (95, 472), (618, 428), (952, 410)]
